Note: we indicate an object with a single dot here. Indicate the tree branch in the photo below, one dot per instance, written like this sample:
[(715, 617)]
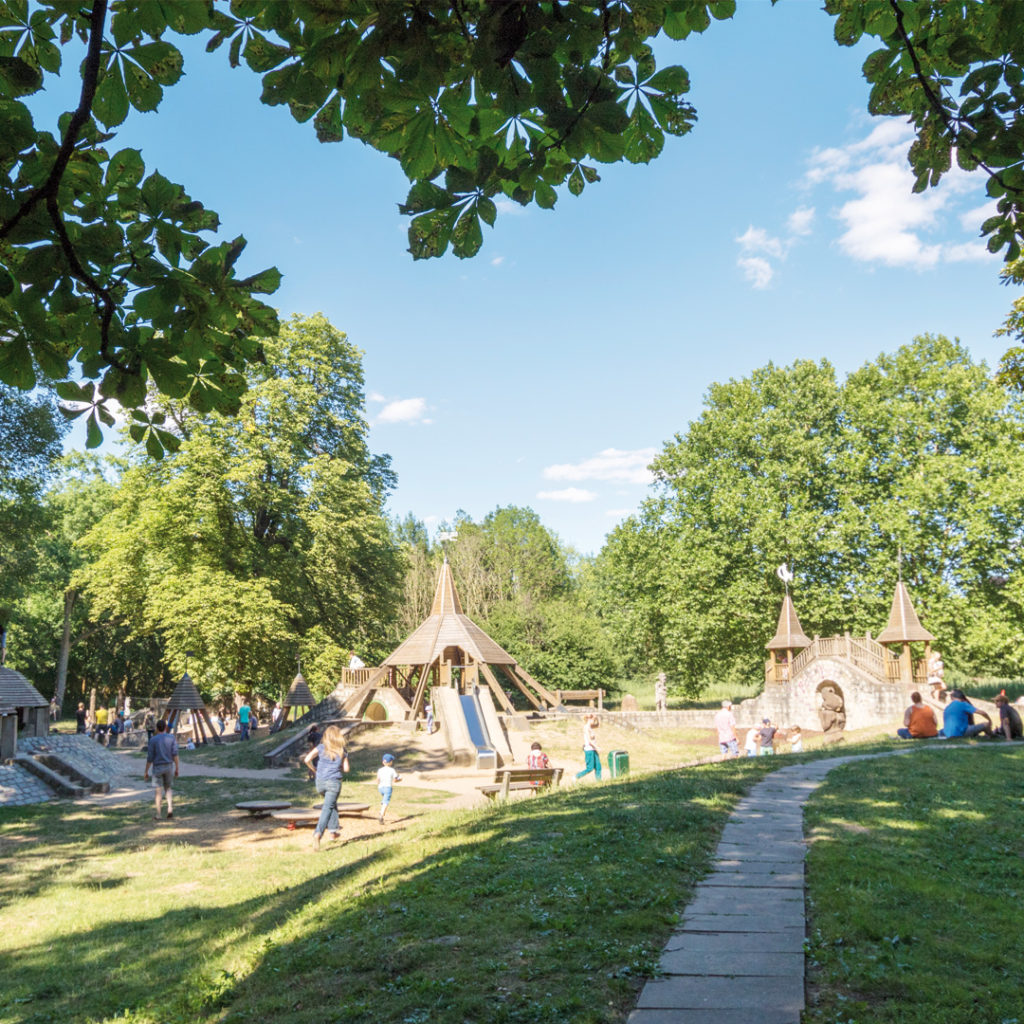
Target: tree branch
[(90, 78), (935, 102)]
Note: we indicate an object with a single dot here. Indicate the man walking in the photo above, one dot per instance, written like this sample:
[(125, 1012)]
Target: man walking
[(162, 758), (725, 723)]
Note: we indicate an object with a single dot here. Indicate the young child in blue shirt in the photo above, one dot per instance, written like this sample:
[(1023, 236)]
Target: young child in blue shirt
[(386, 779)]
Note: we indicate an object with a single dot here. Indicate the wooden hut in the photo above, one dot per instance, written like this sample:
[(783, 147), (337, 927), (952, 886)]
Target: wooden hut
[(788, 640), (23, 709), (186, 698), (905, 628), (447, 649)]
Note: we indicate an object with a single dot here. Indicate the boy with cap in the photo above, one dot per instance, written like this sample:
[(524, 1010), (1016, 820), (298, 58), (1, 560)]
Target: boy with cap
[(767, 734), (386, 779)]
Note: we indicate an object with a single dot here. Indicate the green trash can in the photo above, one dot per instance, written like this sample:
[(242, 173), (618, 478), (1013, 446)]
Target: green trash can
[(618, 763)]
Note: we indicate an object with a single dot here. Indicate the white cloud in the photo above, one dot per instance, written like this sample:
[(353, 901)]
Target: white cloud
[(971, 220), (755, 240), (885, 221), (497, 261), (610, 464), (756, 270), (618, 513), (404, 410), (571, 494), (509, 209), (375, 396), (801, 220)]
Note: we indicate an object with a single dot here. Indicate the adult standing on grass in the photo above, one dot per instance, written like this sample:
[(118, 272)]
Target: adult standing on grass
[(725, 723), (244, 714), (53, 708), (81, 717), (590, 754), (162, 760), (956, 719), (331, 766), (101, 726), (919, 721)]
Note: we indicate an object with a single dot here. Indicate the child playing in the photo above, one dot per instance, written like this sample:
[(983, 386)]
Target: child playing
[(537, 759), (386, 779), (796, 740)]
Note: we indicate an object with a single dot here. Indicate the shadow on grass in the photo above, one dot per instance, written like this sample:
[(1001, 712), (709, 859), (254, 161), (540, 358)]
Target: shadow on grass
[(551, 908)]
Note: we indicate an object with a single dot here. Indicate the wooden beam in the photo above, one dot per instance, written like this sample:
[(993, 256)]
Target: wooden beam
[(500, 695), (421, 686), (545, 693), (213, 732), (523, 688), (355, 704)]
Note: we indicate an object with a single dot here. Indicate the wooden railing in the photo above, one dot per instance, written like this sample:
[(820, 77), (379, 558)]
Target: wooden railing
[(863, 651), (353, 678)]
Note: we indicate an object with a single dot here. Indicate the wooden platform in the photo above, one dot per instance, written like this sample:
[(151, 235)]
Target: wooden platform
[(262, 808), (310, 816)]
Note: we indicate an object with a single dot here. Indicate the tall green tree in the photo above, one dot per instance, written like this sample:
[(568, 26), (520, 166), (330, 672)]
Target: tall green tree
[(916, 452), (31, 432), (108, 272), (263, 537)]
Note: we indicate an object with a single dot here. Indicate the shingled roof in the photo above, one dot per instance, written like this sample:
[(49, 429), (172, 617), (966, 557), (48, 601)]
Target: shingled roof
[(17, 692), (447, 626), (186, 696), (299, 695), (789, 634), (904, 625)]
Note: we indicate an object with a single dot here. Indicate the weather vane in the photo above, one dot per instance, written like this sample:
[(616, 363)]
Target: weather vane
[(785, 574)]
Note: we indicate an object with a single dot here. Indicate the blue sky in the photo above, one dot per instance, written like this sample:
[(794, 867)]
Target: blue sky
[(548, 370)]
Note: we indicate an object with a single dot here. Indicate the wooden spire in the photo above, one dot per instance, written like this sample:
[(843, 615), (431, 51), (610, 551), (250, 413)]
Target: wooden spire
[(299, 694), (904, 625), (789, 635), (186, 696)]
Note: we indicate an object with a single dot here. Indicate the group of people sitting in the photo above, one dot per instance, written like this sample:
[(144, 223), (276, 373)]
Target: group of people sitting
[(920, 722)]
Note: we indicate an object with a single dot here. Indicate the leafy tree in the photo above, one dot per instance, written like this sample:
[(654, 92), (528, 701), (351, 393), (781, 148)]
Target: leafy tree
[(263, 536), (108, 267), (557, 641), (1011, 366), (917, 451), (31, 431)]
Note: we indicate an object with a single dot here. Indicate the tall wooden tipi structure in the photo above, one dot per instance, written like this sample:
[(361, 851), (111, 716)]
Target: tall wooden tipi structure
[(448, 649)]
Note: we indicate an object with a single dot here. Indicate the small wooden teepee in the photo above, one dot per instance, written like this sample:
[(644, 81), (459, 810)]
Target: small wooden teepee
[(186, 698), (299, 696)]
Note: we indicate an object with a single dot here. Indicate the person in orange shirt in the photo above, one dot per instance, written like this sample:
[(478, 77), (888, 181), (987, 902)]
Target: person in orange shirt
[(919, 721)]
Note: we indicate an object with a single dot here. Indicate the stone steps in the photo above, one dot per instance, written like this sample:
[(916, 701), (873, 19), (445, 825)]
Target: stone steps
[(60, 784)]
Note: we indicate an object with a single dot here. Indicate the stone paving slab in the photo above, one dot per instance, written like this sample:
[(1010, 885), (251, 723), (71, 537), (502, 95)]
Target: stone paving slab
[(719, 900), (761, 923), (718, 1016), (781, 853), (729, 963), (781, 940), (780, 992), (756, 880), (759, 867)]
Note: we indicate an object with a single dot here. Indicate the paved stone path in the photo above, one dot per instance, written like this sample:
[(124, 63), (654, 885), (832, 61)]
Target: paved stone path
[(738, 954)]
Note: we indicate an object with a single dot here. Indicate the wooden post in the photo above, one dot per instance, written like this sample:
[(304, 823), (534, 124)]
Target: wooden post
[(600, 700)]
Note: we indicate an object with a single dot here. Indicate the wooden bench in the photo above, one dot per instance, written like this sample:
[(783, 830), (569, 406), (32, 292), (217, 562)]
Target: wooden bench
[(310, 816), (508, 779)]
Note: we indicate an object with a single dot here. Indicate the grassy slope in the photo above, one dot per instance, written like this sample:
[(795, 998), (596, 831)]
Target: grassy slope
[(916, 881)]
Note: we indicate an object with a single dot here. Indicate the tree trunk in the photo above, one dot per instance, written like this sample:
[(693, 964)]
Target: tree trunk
[(70, 597)]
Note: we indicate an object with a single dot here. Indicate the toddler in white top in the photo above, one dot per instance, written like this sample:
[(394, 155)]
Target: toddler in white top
[(386, 779)]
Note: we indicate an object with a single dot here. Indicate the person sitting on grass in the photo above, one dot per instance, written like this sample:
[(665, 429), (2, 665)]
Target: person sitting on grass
[(919, 721), (956, 719), (1010, 725)]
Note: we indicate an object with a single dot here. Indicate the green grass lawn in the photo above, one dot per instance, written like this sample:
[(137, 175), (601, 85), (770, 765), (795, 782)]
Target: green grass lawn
[(915, 886), (550, 909)]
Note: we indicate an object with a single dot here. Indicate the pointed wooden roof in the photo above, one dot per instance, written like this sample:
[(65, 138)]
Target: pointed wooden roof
[(447, 626), (299, 695), (17, 692), (789, 634), (186, 696), (904, 625)]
